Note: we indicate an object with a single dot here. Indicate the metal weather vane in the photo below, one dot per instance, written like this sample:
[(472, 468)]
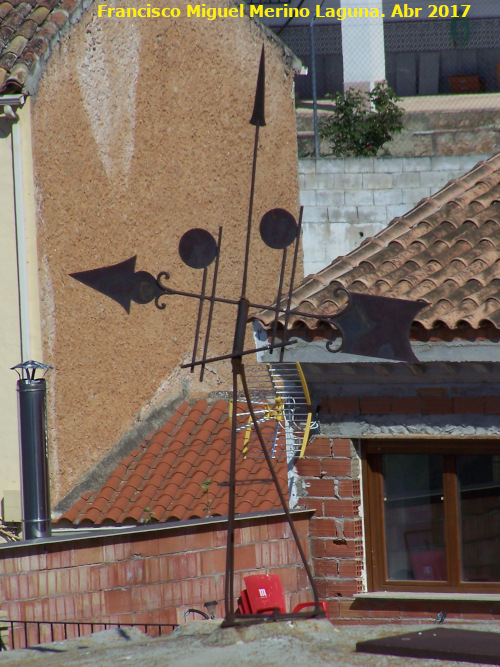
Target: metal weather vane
[(369, 325)]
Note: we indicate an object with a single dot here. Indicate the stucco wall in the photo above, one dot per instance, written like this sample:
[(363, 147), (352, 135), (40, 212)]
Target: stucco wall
[(140, 132)]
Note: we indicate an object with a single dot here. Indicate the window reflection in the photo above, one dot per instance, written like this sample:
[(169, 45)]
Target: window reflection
[(414, 516), (479, 510)]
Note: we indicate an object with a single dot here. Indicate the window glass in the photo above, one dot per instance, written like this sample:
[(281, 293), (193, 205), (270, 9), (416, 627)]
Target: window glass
[(414, 516), (479, 512)]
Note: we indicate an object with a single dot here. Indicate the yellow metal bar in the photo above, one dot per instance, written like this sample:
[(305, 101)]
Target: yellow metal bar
[(306, 434), (303, 382)]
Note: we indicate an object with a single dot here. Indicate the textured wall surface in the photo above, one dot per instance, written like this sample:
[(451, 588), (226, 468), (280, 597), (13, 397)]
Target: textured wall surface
[(147, 577), (140, 133)]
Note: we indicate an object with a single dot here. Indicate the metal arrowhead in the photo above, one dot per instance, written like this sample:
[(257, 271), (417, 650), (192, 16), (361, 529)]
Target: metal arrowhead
[(378, 326), (121, 283), (258, 105)]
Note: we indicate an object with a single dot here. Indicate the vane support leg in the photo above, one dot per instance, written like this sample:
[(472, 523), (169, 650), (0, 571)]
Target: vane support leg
[(317, 609), (229, 582)]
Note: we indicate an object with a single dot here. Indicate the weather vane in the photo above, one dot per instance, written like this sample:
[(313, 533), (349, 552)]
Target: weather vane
[(369, 325)]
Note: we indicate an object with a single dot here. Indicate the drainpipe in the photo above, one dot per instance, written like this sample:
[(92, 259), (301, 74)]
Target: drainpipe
[(9, 104)]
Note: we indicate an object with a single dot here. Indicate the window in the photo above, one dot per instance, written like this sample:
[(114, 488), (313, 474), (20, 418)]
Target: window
[(432, 515)]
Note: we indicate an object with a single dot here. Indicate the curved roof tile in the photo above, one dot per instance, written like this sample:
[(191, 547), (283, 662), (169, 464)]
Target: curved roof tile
[(446, 251), (190, 479)]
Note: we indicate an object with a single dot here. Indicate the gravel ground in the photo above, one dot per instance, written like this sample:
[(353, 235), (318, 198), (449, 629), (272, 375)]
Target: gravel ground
[(308, 643)]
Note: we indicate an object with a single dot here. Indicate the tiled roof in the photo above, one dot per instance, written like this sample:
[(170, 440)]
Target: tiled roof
[(446, 251), (182, 472), (28, 32)]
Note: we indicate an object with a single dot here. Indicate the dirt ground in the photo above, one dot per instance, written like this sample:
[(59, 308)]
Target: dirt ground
[(308, 643)]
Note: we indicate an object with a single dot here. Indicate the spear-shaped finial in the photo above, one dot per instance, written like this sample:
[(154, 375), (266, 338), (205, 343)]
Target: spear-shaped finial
[(258, 117)]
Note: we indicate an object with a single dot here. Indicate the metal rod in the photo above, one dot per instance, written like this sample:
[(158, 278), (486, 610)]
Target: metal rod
[(212, 304), (278, 300), (243, 352), (292, 280), (229, 582), (314, 88), (234, 302), (198, 321), (250, 212)]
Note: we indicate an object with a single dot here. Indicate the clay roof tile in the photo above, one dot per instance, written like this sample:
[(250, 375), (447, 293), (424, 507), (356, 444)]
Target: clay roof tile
[(178, 492), (435, 252)]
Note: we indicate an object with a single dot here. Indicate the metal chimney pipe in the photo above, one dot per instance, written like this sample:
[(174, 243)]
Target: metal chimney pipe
[(34, 455)]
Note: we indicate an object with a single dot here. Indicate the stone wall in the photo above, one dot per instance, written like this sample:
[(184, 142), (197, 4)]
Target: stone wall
[(347, 199)]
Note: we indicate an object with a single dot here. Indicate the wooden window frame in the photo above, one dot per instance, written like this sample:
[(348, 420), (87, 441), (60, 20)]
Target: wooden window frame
[(374, 513)]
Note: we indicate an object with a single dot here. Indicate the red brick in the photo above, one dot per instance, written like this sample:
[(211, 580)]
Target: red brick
[(336, 467), (171, 544), (199, 540), (352, 529), (315, 504), (342, 447), (337, 588), (319, 447), (323, 528), (116, 601), (375, 405), (85, 555), (308, 467), (245, 557), (468, 405), (492, 405), (333, 609), (320, 488), (350, 568), (341, 508), (344, 405), (326, 567), (345, 488), (214, 561), (340, 549), (436, 405), (406, 405), (318, 548)]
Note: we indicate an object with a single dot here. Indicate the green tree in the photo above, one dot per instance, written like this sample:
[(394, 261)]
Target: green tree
[(362, 122)]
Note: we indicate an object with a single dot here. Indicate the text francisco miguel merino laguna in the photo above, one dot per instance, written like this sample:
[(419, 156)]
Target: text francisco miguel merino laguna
[(260, 11)]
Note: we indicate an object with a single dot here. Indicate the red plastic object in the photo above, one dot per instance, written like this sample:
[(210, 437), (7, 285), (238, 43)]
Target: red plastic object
[(264, 593), (302, 605)]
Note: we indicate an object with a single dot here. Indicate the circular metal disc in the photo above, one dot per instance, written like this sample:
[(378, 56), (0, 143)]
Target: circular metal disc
[(278, 228), (197, 248)]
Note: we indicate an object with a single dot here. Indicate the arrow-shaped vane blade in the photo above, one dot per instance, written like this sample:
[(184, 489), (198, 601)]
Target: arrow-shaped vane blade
[(378, 326), (122, 283)]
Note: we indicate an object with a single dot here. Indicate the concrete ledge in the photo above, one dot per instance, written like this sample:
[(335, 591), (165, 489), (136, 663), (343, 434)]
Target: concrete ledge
[(404, 595)]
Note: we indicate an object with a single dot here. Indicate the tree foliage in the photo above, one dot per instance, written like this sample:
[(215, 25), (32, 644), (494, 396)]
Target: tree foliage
[(362, 122)]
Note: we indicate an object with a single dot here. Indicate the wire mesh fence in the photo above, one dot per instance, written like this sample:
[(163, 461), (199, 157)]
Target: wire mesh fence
[(23, 634), (442, 60)]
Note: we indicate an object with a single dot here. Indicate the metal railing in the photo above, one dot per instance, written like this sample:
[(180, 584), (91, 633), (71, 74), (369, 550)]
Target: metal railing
[(23, 634)]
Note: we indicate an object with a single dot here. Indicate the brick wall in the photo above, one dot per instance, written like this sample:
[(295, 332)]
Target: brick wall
[(148, 576), (330, 479), (331, 487), (348, 199)]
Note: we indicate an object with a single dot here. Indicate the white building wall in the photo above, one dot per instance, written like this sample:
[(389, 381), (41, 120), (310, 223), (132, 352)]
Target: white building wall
[(348, 199)]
